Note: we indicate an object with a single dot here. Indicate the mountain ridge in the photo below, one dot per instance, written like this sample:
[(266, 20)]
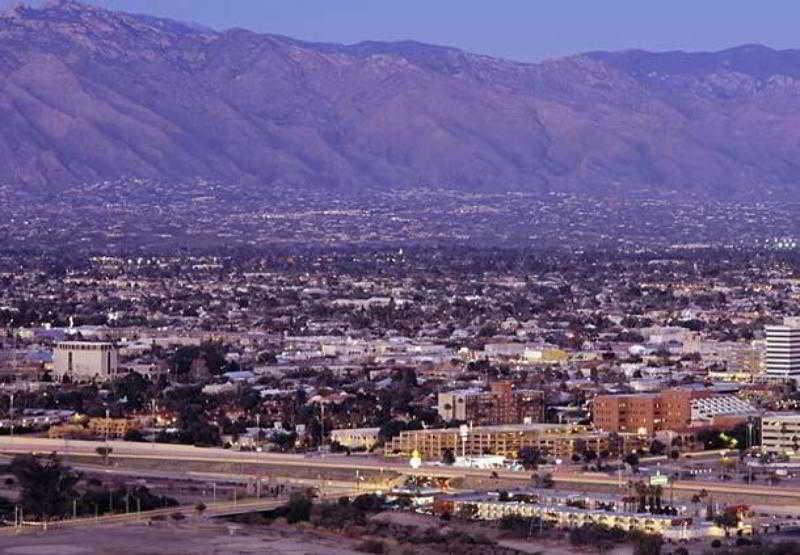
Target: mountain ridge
[(90, 95)]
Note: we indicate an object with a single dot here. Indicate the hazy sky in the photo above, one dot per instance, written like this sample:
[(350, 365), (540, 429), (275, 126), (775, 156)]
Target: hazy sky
[(527, 30)]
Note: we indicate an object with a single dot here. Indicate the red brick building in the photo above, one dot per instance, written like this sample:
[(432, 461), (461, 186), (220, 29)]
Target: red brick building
[(646, 413), (502, 404)]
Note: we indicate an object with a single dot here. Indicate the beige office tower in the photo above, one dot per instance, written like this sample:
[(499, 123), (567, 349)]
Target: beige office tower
[(85, 360)]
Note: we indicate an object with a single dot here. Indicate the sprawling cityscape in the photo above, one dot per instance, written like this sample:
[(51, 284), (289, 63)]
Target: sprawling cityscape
[(290, 278), (549, 397)]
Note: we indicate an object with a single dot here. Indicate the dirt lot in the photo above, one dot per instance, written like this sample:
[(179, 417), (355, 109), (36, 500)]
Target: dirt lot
[(541, 547), (191, 537)]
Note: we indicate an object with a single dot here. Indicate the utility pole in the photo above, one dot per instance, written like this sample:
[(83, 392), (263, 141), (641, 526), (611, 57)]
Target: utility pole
[(259, 443), (11, 416), (108, 422), (321, 424), (214, 489)]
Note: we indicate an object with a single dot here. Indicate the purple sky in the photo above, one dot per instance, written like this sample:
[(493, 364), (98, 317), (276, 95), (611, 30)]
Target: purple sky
[(527, 30)]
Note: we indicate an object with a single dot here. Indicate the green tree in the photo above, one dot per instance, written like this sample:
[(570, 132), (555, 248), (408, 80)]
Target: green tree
[(134, 435), (214, 356), (194, 428), (648, 544), (726, 520), (104, 451), (47, 487), (134, 389), (530, 457), (6, 508), (298, 509), (448, 457), (657, 448), (182, 359)]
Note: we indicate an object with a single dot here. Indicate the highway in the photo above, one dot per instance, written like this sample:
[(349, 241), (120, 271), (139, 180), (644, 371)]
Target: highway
[(184, 453), (187, 453)]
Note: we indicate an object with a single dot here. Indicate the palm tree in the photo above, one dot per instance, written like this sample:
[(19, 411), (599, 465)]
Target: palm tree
[(104, 451), (657, 493), (641, 494)]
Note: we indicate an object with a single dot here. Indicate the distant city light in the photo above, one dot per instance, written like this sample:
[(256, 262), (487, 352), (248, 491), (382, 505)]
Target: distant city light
[(780, 243)]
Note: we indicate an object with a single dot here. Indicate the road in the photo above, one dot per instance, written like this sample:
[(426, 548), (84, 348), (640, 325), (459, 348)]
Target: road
[(180, 453), (213, 510)]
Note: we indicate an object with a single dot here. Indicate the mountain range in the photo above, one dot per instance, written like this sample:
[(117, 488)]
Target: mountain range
[(88, 95)]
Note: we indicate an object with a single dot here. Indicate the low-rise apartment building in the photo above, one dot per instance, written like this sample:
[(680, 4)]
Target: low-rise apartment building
[(95, 428), (556, 440), (567, 515)]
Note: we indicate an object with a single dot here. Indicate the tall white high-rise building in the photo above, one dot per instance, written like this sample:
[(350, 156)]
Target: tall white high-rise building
[(783, 349)]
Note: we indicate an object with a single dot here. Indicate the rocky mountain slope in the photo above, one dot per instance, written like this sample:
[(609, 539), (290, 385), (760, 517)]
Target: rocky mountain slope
[(88, 95)]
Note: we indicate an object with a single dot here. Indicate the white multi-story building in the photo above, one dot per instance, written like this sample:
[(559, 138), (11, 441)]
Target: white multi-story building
[(780, 432), (356, 438), (85, 360), (783, 349)]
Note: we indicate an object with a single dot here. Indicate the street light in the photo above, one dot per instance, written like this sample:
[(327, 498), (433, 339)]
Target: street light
[(11, 415), (258, 428), (415, 461), (321, 424)]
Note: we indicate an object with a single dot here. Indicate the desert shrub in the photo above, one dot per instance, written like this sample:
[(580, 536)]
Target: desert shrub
[(371, 546)]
